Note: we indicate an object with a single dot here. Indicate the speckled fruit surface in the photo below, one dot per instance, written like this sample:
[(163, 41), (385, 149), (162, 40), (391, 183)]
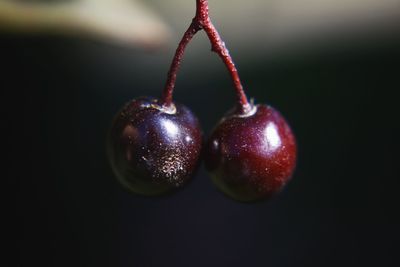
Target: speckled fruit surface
[(153, 150), (251, 157)]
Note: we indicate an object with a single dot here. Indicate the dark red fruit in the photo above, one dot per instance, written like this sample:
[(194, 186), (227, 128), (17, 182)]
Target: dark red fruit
[(153, 149), (252, 156)]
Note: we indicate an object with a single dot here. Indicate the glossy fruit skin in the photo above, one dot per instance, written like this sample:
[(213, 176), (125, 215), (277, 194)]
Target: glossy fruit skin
[(153, 150), (251, 157)]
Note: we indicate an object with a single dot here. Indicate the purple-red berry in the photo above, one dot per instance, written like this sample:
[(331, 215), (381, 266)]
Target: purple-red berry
[(252, 156), (153, 149)]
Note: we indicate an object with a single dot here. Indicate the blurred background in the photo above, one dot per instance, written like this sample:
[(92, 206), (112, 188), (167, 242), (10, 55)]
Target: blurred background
[(331, 67)]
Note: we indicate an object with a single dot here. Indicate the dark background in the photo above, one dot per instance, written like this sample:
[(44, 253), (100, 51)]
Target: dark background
[(64, 207)]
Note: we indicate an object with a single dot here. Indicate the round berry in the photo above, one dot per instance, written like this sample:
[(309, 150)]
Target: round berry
[(154, 149), (251, 156)]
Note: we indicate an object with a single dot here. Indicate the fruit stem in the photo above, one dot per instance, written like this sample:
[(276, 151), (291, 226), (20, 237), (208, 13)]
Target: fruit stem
[(166, 99), (202, 21)]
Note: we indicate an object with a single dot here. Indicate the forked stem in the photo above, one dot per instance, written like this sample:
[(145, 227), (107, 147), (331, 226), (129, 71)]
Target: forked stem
[(202, 21)]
